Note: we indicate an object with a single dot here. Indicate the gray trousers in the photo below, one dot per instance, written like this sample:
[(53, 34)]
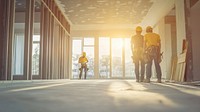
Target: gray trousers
[(83, 67), (139, 65), (153, 57)]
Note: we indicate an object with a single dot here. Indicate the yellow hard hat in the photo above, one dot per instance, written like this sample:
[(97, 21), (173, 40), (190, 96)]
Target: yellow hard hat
[(84, 53), (149, 29), (138, 29)]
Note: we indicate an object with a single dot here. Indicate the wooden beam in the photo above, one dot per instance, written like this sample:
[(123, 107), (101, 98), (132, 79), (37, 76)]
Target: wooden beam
[(41, 41), (3, 38), (32, 16), (45, 43), (28, 40), (189, 59)]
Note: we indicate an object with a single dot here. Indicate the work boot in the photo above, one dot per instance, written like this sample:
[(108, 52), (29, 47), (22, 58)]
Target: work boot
[(159, 81)]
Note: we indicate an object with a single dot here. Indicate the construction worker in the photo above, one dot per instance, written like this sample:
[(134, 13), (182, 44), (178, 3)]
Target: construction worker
[(137, 42), (83, 61), (152, 47)]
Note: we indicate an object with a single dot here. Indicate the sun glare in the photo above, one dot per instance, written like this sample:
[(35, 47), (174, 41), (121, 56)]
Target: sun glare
[(117, 44)]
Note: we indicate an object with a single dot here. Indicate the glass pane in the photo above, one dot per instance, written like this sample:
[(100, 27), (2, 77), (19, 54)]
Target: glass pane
[(36, 38), (35, 58), (104, 57), (88, 41), (18, 54), (117, 67), (129, 65), (90, 55), (76, 53), (19, 30)]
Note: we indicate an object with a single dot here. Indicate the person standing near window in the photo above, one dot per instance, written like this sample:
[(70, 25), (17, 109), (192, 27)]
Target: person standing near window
[(83, 61), (137, 42)]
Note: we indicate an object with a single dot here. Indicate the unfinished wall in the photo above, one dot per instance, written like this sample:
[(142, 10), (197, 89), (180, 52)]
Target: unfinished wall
[(180, 24), (195, 17)]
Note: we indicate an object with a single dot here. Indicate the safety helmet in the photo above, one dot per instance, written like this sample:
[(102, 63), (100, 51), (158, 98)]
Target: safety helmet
[(149, 29), (84, 53), (138, 29)]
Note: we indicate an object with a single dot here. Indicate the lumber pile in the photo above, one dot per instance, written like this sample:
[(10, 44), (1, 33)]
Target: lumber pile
[(179, 65)]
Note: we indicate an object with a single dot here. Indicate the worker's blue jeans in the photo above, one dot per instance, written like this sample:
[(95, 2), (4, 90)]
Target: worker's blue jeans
[(139, 65), (154, 58)]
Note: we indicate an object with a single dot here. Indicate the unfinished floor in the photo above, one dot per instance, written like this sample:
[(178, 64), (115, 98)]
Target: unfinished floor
[(97, 96)]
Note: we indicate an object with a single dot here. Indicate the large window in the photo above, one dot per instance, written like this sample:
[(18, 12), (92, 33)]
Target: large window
[(89, 49), (114, 57), (80, 45), (117, 66), (104, 57), (129, 66), (18, 54), (35, 54), (19, 31)]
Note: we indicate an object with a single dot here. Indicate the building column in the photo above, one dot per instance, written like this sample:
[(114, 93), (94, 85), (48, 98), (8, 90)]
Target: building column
[(96, 57), (180, 24)]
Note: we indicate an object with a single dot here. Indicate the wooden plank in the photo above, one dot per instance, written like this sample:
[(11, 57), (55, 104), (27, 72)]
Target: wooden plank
[(183, 72), (176, 76), (181, 64), (182, 58), (179, 73), (173, 69)]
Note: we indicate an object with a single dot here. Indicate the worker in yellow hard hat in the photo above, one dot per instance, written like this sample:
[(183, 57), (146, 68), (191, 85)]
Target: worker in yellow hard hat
[(137, 42), (152, 45), (83, 61)]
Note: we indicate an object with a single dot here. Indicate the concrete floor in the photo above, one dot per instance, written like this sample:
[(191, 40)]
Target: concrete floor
[(97, 96)]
